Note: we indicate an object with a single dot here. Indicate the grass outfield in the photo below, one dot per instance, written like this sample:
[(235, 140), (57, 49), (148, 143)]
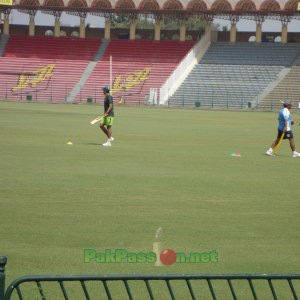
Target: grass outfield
[(167, 168)]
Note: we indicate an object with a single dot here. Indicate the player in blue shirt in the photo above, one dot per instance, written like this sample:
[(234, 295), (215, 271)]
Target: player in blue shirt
[(285, 123)]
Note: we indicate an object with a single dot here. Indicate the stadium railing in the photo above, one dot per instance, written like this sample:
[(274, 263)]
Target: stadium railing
[(168, 286)]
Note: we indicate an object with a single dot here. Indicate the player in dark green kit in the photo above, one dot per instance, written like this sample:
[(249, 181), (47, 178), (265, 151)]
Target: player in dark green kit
[(108, 119)]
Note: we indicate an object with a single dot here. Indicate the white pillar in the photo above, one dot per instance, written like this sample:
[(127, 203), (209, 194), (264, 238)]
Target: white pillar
[(57, 27), (208, 30), (132, 29), (82, 28), (258, 32), (182, 31), (6, 24), (31, 26), (157, 27), (284, 33), (208, 27), (107, 29), (233, 32)]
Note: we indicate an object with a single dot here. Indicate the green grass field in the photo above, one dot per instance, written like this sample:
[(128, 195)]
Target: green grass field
[(167, 168)]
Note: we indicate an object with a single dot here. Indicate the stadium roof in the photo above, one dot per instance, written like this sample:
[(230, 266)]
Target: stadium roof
[(251, 8)]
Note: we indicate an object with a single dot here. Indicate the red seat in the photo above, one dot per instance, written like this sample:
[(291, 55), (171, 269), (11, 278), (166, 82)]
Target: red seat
[(137, 66), (45, 67)]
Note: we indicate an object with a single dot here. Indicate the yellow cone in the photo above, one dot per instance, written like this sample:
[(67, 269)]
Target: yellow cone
[(69, 143)]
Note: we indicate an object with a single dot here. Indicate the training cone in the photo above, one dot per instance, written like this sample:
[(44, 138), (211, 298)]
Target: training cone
[(235, 154), (69, 143)]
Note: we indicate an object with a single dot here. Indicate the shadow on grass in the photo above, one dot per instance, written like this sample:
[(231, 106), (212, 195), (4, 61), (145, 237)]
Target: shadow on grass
[(93, 144)]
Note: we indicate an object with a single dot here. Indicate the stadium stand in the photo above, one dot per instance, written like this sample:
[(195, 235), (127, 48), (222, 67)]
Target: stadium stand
[(288, 88), (234, 75), (43, 68), (244, 53), (45, 47), (48, 68), (137, 66), (229, 75)]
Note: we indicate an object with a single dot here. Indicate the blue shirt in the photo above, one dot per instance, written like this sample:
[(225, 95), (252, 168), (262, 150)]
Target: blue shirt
[(284, 115)]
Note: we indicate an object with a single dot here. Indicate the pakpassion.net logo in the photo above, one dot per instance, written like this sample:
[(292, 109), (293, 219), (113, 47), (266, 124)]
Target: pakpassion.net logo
[(166, 257)]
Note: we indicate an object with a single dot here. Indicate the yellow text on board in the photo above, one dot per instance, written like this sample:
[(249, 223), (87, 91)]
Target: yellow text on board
[(6, 2)]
